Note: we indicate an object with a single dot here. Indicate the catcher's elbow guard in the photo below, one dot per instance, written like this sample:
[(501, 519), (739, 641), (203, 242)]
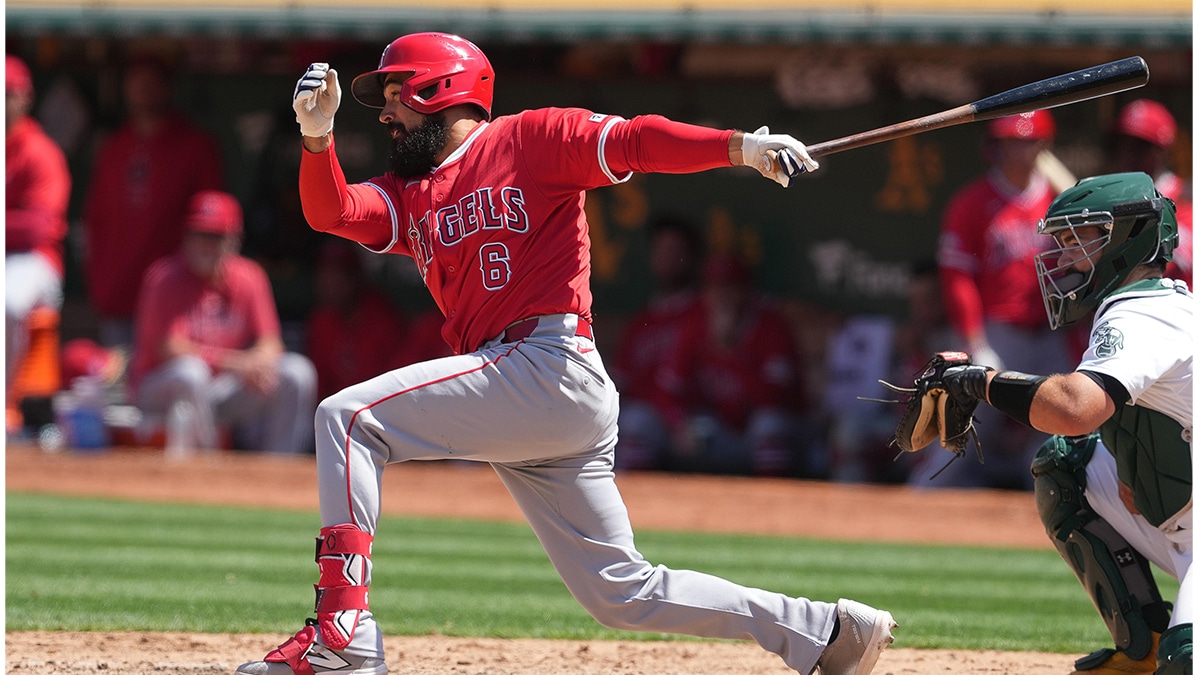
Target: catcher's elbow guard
[(1012, 393)]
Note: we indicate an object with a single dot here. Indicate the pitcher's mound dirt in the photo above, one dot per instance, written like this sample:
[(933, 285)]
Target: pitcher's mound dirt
[(656, 501)]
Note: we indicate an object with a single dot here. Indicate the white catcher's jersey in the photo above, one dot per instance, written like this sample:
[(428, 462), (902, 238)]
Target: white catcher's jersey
[(1143, 338)]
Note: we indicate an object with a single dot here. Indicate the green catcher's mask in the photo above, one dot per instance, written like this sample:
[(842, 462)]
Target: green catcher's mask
[(1133, 224)]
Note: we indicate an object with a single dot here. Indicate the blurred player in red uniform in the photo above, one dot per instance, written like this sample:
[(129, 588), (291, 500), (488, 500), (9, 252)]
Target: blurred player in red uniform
[(735, 381), (651, 338), (354, 331), (492, 211), (37, 187), (138, 193), (990, 290), (208, 338), (1142, 140)]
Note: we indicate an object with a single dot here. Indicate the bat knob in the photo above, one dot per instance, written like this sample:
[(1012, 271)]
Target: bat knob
[(791, 165)]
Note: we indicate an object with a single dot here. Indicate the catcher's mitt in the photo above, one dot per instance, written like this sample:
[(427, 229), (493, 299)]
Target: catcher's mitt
[(941, 404)]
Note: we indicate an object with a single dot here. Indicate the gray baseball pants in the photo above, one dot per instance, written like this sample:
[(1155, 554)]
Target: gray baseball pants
[(543, 413)]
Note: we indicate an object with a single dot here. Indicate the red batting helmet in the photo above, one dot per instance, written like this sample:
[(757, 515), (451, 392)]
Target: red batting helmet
[(1147, 120), (1037, 125), (446, 70)]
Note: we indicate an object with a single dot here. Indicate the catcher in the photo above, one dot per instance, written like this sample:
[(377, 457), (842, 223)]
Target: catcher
[(1114, 484)]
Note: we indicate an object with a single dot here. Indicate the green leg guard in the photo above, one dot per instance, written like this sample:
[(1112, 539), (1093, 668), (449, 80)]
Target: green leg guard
[(1115, 575), (1175, 651)]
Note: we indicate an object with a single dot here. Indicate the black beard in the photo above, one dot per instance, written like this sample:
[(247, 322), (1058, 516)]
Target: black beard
[(413, 154)]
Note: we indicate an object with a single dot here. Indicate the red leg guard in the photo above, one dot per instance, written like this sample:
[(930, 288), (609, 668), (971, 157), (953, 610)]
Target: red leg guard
[(344, 557), (294, 651)]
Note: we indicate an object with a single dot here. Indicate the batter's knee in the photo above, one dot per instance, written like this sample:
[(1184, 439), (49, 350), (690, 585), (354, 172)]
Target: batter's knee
[(620, 599), (333, 412)]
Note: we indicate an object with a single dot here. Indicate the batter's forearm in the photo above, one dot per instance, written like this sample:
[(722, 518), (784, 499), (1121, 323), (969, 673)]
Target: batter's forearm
[(735, 149), (317, 143), (322, 184), (655, 144)]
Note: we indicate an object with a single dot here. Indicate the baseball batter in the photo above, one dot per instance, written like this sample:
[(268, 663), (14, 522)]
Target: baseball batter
[(491, 210)]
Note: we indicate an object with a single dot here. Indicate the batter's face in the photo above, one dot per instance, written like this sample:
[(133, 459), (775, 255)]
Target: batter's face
[(417, 140)]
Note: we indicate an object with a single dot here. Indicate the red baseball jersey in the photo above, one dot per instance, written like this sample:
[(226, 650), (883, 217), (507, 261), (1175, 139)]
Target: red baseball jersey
[(37, 186), (761, 369), (348, 345), (233, 313), (988, 242), (498, 229), (651, 338), (136, 202)]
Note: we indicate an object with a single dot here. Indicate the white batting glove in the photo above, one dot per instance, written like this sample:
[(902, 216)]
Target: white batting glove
[(776, 156), (316, 99)]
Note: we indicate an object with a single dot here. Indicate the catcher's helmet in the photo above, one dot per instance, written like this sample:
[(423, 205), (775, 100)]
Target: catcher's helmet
[(446, 69), (1137, 225)]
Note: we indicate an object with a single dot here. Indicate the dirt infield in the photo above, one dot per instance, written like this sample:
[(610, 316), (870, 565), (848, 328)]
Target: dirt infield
[(774, 507)]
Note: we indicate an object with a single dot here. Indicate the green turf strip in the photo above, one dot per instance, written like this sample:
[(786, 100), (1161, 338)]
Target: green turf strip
[(100, 565)]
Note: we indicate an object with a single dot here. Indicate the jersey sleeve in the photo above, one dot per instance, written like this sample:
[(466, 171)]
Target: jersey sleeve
[(36, 215), (264, 316), (368, 213), (960, 250), (571, 148), (655, 144), (156, 316), (962, 301), (1134, 348)]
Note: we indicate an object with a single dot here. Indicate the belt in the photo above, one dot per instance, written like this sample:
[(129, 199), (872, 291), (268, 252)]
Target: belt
[(523, 329)]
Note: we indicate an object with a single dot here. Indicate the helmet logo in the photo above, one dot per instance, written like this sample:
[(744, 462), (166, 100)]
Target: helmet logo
[(1108, 340)]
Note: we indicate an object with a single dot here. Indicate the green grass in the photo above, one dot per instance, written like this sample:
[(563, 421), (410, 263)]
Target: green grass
[(98, 565)]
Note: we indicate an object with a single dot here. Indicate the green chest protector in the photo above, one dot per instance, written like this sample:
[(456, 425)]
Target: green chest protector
[(1154, 458)]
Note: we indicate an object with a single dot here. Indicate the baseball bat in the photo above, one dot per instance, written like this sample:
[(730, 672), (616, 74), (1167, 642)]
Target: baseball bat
[(1081, 85), (1055, 171)]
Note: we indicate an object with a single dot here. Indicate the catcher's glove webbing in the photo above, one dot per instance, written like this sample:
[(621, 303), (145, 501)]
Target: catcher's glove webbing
[(941, 404)]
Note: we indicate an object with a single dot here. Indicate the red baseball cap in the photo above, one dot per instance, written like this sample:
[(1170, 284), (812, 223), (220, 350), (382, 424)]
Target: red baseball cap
[(1037, 125), (214, 212), (1147, 120), (82, 357), (16, 75)]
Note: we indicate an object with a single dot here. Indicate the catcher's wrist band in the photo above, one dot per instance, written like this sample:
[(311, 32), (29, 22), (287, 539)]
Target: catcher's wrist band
[(1012, 393)]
